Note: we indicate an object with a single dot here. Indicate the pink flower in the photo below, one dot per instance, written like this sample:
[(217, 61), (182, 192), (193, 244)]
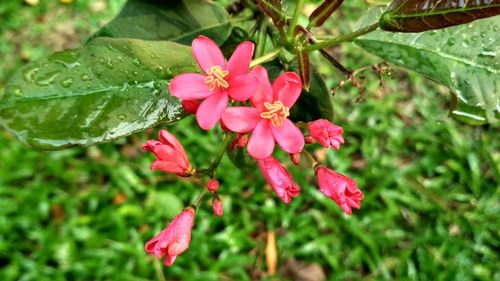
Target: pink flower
[(267, 120), (212, 185), (220, 80), (170, 155), (174, 239), (279, 179), (339, 188), (217, 206), (326, 133)]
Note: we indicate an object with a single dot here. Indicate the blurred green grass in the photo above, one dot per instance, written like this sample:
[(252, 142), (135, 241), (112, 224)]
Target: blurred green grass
[(431, 186)]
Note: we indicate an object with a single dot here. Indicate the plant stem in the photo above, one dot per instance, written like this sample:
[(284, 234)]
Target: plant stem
[(220, 153), (311, 158), (265, 58), (198, 199), (295, 19), (343, 38), (261, 43)]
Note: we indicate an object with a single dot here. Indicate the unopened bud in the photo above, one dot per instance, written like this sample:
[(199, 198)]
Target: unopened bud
[(212, 185), (239, 141), (295, 157), (309, 140), (217, 206)]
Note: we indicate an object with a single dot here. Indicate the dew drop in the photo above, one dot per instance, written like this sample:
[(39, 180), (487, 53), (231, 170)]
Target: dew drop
[(451, 42), (122, 117), (14, 90), (67, 82), (109, 64), (29, 73), (86, 77)]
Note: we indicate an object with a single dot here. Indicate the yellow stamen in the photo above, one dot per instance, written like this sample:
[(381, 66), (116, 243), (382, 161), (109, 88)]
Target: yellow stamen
[(215, 78), (276, 112)]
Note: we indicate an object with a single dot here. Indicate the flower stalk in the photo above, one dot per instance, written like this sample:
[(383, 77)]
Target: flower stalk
[(344, 38)]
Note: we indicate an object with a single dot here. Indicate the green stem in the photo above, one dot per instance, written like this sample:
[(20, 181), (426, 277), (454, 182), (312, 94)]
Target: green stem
[(343, 38), (222, 150), (261, 43), (265, 58), (198, 199), (295, 19)]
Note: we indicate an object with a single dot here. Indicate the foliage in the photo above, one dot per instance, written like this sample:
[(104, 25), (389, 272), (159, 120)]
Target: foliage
[(431, 184)]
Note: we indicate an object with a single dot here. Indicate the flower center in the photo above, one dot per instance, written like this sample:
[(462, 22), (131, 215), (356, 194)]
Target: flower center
[(215, 78), (276, 112)]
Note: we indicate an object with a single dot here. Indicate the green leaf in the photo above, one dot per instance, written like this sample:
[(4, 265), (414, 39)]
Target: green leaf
[(311, 105), (422, 15), (463, 58), (108, 89), (178, 21)]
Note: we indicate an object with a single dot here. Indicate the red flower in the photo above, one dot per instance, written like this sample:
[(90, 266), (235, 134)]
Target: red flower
[(339, 188), (212, 185), (219, 81), (267, 120), (174, 239), (170, 155), (217, 206), (326, 133), (279, 179)]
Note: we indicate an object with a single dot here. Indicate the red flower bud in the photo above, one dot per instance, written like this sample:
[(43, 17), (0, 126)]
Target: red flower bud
[(239, 141), (326, 133), (339, 188), (212, 185), (217, 206), (170, 155), (174, 239), (190, 106), (295, 157), (279, 179)]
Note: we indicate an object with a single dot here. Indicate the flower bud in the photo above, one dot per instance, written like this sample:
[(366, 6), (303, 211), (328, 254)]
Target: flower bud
[(239, 141), (295, 157), (339, 188), (190, 106), (279, 179), (174, 239), (170, 155), (212, 185), (217, 206), (326, 133)]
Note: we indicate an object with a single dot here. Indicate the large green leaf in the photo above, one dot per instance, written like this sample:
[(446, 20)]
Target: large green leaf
[(105, 90), (178, 21), (464, 58), (422, 15)]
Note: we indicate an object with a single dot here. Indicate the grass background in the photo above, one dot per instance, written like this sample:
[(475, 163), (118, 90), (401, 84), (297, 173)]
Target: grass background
[(431, 185)]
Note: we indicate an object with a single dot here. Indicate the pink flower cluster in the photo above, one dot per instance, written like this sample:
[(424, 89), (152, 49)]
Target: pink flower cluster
[(261, 121)]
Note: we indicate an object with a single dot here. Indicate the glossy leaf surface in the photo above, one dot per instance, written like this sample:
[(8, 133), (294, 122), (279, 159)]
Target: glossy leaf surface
[(422, 15), (464, 58), (108, 89), (178, 21)]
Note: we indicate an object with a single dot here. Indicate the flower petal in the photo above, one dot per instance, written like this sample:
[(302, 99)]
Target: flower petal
[(211, 110), (169, 260), (241, 119), (207, 53), (261, 143), (265, 91), (189, 86), (240, 60), (243, 87), (289, 137), (167, 166), (287, 88)]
